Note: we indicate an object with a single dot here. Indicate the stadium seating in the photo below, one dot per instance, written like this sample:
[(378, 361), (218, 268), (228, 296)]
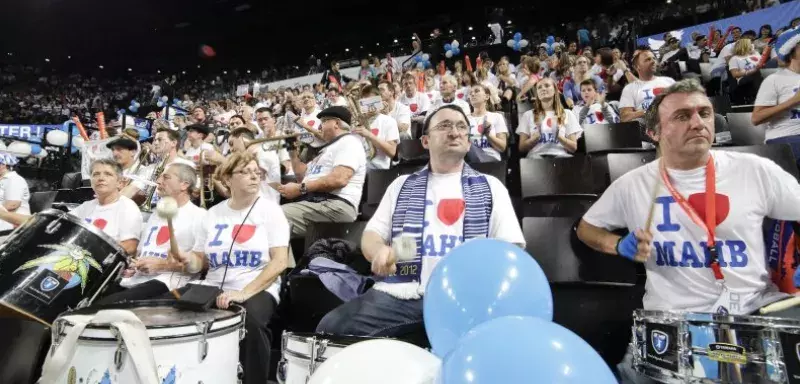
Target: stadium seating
[(618, 137), (556, 187), (743, 132)]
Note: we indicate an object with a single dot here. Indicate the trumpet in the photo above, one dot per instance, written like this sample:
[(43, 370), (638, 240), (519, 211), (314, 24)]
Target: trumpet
[(363, 120), (270, 139)]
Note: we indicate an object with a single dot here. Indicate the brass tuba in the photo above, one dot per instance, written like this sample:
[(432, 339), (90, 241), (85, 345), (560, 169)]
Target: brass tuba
[(363, 120)]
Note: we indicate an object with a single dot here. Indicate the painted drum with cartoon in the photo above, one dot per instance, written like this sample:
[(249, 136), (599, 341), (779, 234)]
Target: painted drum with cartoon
[(55, 262), (693, 347)]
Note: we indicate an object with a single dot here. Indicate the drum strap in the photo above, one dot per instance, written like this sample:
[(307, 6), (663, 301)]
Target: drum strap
[(131, 332), (709, 225)]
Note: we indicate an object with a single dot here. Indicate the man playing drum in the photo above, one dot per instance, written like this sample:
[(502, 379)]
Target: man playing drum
[(737, 189), (153, 273), (111, 212), (456, 203)]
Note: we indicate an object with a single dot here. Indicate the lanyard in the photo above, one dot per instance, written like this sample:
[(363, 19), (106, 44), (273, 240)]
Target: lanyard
[(710, 224)]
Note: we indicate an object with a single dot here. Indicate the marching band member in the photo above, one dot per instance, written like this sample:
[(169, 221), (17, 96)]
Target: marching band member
[(452, 193), (395, 109), (488, 130), (448, 95), (266, 122), (165, 145), (684, 272), (124, 149), (156, 274), (330, 185), (196, 135), (382, 134), (111, 212), (14, 193), (309, 125), (244, 243)]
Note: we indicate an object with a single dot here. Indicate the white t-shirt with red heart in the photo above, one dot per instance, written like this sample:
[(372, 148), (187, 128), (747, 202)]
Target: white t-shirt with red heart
[(385, 128), (312, 120), (121, 220), (401, 113), (744, 63), (443, 228), (478, 139), (155, 244), (640, 94), (432, 95), (438, 103), (595, 115), (548, 144), (193, 153), (463, 94), (418, 104), (264, 228)]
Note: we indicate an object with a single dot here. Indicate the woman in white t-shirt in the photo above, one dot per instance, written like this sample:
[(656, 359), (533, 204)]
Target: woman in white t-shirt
[(548, 130), (244, 244), (488, 130), (745, 68)]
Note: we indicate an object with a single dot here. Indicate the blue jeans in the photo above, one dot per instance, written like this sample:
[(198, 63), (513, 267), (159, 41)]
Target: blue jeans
[(374, 313), (793, 141)]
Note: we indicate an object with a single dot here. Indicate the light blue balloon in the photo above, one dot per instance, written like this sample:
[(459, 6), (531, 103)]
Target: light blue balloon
[(517, 46), (456, 51), (133, 108), (144, 133), (480, 280), (517, 36), (164, 99), (518, 349), (160, 103), (36, 149), (35, 139), (176, 101), (447, 47)]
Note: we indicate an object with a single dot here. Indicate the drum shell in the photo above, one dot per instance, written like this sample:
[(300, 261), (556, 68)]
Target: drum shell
[(296, 365), (175, 346), (21, 289)]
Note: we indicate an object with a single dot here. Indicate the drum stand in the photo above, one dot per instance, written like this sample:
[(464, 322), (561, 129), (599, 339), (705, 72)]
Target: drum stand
[(88, 301)]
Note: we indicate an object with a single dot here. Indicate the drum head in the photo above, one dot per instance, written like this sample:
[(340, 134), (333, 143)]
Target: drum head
[(333, 340), (163, 313), (61, 215)]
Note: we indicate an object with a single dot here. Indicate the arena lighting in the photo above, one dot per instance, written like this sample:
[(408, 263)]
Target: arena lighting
[(470, 28), (431, 34), (69, 57), (224, 72), (11, 54), (473, 37), (489, 25), (378, 44), (395, 40), (183, 72), (508, 22), (100, 66), (130, 69), (347, 49), (198, 66), (451, 31), (248, 71), (158, 71), (47, 60), (361, 47)]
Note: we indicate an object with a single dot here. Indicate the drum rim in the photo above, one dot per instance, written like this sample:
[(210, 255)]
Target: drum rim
[(333, 340), (73, 219), (235, 311), (647, 314)]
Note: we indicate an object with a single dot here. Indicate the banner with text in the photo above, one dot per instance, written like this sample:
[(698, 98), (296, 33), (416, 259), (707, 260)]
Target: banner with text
[(26, 131)]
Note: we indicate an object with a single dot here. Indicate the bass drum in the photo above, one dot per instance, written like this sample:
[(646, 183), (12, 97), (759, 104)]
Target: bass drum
[(304, 352), (55, 262), (186, 346)]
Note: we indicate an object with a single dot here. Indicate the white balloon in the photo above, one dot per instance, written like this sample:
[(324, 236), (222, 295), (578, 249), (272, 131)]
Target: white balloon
[(77, 142), (42, 154), (19, 149), (376, 361), (510, 44), (420, 65), (57, 138), (2, 145), (448, 54), (523, 43), (454, 44), (426, 57)]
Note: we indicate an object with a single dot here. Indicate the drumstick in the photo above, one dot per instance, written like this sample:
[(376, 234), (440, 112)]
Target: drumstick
[(81, 129), (653, 198), (780, 305), (173, 241), (101, 124)]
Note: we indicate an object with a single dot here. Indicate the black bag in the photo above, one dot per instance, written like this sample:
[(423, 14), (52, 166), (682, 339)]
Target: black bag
[(199, 297)]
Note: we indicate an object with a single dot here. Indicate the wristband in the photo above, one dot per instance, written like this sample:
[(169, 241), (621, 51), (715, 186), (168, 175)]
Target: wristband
[(627, 246)]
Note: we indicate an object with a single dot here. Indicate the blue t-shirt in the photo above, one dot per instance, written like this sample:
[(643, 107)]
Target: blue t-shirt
[(583, 35)]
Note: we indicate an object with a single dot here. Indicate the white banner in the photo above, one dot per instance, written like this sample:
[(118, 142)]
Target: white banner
[(91, 151), (242, 89)]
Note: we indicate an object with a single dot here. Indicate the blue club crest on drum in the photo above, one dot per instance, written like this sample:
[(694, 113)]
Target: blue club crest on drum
[(660, 341), (48, 284)]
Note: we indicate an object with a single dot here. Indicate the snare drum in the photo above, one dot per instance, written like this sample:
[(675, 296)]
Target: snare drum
[(188, 346), (686, 347), (55, 262), (302, 353)]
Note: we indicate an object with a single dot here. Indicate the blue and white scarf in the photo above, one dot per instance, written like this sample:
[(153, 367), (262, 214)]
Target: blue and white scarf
[(409, 214)]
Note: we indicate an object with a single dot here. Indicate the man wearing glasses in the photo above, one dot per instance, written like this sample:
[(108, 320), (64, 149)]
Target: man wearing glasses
[(436, 200), (330, 186)]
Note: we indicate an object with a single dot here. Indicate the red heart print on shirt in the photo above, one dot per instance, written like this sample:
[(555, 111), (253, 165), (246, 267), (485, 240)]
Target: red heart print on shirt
[(549, 122), (449, 210), (698, 202), (100, 223), (657, 91), (374, 131), (245, 233), (599, 116), (162, 236), (755, 59), (460, 95), (311, 123), (430, 95), (480, 128), (413, 107)]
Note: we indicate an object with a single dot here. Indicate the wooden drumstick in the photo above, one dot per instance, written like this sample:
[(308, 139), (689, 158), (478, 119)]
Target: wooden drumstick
[(166, 209), (653, 197), (780, 305)]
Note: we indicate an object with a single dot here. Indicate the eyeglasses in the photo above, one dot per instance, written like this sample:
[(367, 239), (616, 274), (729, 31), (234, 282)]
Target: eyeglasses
[(447, 126)]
